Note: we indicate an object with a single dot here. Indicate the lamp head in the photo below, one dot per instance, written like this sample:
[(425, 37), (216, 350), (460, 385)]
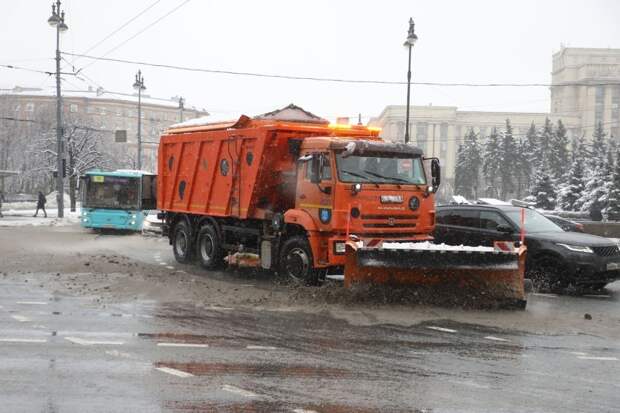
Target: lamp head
[(411, 36)]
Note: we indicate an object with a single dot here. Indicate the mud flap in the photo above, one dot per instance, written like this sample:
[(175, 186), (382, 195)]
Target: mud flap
[(499, 274)]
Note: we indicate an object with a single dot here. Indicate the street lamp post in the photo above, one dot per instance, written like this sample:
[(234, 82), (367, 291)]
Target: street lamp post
[(181, 107), (139, 86), (57, 20), (411, 39)]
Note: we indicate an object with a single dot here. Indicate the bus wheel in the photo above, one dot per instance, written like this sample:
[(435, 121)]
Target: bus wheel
[(182, 243), (209, 248), (296, 262)]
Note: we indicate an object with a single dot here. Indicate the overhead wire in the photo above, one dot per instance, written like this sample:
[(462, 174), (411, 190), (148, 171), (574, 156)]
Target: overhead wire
[(328, 79), (132, 37), (121, 27)]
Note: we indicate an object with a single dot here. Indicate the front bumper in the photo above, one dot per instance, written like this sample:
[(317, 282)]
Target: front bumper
[(594, 269)]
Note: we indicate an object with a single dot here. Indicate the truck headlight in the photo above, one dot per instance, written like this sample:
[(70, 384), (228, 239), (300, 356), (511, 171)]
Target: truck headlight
[(578, 248), (133, 223), (339, 247), (414, 203)]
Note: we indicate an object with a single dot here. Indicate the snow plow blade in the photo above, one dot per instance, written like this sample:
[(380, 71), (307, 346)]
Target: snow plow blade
[(496, 274)]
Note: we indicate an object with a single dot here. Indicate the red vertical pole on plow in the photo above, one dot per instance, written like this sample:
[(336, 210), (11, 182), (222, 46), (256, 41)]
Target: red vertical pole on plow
[(522, 225), (348, 220)]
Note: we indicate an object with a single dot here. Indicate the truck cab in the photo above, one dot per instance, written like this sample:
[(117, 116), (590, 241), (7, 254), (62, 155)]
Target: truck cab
[(368, 188)]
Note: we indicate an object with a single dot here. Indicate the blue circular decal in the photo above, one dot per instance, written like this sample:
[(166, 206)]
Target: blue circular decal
[(325, 215)]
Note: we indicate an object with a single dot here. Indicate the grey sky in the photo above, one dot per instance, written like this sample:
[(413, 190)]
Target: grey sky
[(459, 41)]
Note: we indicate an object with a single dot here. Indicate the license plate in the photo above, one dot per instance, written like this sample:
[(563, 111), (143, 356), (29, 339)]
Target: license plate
[(613, 266)]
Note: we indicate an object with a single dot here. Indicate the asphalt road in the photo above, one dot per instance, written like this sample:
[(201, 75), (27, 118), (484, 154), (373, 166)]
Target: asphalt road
[(74, 350)]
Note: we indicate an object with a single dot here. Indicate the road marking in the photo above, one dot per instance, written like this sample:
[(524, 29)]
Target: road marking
[(470, 384), (20, 318), (162, 263), (597, 358), (214, 307), (32, 302), (182, 345), (261, 348), (174, 372), (495, 338), (546, 295), (578, 353), (23, 340), (597, 295), (170, 267), (237, 390), (304, 411), (83, 342), (445, 330), (117, 353)]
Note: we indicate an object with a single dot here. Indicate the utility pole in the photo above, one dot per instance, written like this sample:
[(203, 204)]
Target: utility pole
[(139, 86), (181, 107), (411, 39), (57, 20)]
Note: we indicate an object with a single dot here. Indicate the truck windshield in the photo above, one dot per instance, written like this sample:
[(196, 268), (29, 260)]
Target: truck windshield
[(113, 192), (534, 221), (378, 169)]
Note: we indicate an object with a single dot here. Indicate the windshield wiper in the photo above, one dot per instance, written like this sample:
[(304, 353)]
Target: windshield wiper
[(355, 174), (387, 177)]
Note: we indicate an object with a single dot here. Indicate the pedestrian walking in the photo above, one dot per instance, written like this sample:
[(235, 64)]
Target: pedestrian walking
[(1, 201), (41, 204)]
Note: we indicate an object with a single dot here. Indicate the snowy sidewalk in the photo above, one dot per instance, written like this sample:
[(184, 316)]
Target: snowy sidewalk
[(22, 217)]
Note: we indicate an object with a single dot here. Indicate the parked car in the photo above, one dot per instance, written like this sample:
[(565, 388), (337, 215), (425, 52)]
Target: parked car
[(555, 259), (566, 224)]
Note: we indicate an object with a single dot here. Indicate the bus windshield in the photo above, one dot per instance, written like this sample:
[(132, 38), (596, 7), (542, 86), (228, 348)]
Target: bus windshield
[(378, 169), (113, 192)]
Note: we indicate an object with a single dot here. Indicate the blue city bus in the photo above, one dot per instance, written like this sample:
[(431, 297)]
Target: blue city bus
[(118, 199)]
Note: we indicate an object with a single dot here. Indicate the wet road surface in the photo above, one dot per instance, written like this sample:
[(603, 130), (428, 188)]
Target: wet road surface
[(66, 355), (68, 352)]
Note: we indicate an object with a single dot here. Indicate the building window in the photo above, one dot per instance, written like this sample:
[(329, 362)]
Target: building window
[(29, 107), (73, 108), (422, 135), (599, 104), (90, 109)]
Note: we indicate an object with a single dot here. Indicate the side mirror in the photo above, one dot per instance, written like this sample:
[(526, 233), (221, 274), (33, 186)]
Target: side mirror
[(315, 168), (435, 174), (506, 229)]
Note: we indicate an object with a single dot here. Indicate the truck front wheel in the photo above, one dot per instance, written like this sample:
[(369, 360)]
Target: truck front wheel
[(296, 262), (209, 248)]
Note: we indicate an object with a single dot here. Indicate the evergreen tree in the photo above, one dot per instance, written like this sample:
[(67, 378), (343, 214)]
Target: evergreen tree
[(595, 192), (492, 163), (612, 212), (523, 171), (599, 146), (542, 192), (558, 153), (508, 159), (570, 192), (546, 141), (531, 151), (467, 168)]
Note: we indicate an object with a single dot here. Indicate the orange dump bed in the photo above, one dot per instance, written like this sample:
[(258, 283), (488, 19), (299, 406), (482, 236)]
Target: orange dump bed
[(239, 169)]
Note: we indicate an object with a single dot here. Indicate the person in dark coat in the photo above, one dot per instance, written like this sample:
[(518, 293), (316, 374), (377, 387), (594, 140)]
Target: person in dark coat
[(41, 204)]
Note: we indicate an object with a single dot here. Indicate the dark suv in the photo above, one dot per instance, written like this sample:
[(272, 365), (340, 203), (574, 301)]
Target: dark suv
[(554, 258)]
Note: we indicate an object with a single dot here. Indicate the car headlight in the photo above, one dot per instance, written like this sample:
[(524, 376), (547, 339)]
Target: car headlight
[(578, 248), (132, 223)]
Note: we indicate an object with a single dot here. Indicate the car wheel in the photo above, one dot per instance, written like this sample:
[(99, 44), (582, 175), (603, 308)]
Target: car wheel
[(548, 273), (209, 248), (182, 243), (296, 262)]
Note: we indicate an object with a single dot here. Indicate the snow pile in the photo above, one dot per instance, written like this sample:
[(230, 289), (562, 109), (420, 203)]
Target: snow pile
[(24, 217), (426, 245)]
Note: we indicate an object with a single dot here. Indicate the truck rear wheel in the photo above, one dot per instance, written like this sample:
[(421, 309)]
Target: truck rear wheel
[(209, 248), (182, 243), (296, 262)]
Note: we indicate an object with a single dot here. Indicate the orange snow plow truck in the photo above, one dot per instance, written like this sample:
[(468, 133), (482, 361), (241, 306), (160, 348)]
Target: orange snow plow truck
[(305, 197)]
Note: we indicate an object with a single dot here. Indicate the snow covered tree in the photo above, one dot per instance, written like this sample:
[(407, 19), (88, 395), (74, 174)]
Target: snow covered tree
[(531, 152), (508, 159), (612, 212), (546, 141), (571, 191), (523, 168), (558, 152), (599, 146), (543, 192), (467, 168), (595, 192), (492, 163)]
